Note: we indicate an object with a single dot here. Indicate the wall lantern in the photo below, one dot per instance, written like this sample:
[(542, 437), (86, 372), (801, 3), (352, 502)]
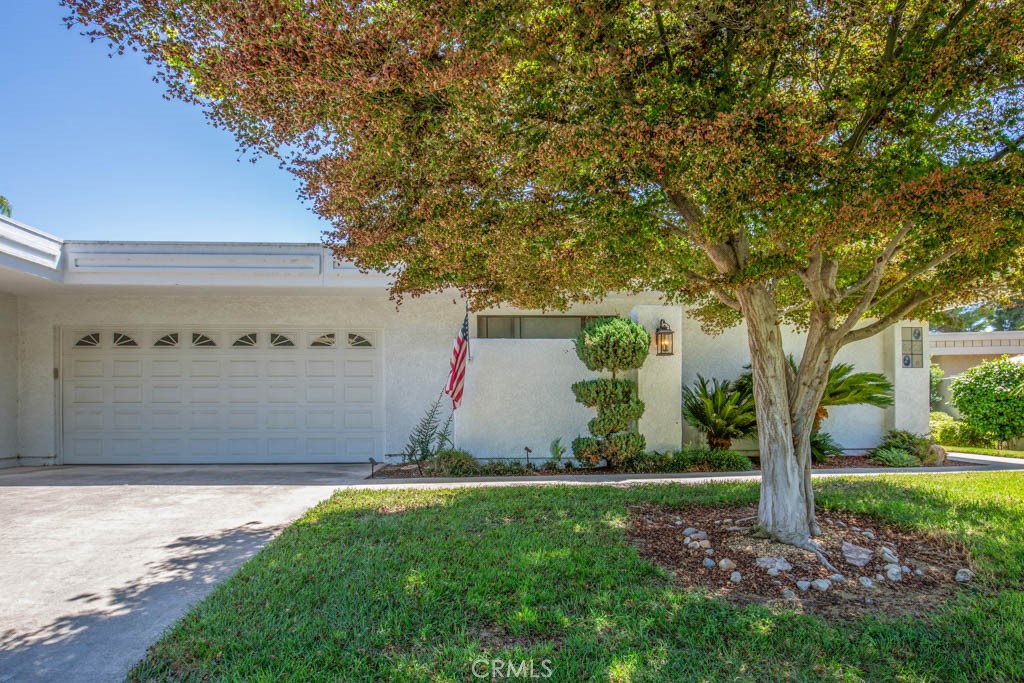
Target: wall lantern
[(663, 338)]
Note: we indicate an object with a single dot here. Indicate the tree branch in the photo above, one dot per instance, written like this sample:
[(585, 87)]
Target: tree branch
[(899, 313), (937, 261), (1011, 147), (873, 280)]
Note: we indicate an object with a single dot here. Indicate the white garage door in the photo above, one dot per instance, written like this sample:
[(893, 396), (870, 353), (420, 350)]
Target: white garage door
[(202, 395)]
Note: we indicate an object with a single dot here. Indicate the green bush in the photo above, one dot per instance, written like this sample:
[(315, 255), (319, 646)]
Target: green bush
[(935, 377), (722, 411), (453, 462), (612, 344), (914, 444), (894, 457), (504, 468), (937, 420), (688, 460), (710, 460), (957, 433), (986, 396), (823, 447)]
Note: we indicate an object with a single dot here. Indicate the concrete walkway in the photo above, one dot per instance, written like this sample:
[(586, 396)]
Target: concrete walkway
[(95, 562)]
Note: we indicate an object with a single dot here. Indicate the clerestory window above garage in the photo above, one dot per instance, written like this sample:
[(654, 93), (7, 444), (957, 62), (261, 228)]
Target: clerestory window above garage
[(532, 326)]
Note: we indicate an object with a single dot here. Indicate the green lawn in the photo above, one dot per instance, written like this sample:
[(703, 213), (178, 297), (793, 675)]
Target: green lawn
[(1004, 453), (416, 585)]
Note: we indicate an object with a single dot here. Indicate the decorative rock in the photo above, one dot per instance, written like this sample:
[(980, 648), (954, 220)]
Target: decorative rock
[(918, 572), (698, 536), (725, 521), (879, 577), (856, 555), (869, 601), (893, 572), (837, 578), (773, 571), (689, 531), (869, 534), (840, 523), (937, 454), (709, 551), (803, 585), (888, 556), (693, 546), (788, 594), (779, 563), (709, 563), (866, 582), (964, 575), (821, 584), (735, 577), (726, 565), (704, 544), (905, 569)]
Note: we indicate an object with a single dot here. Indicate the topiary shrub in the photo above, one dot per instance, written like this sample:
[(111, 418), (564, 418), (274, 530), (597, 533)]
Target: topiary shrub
[(986, 396), (614, 345), (894, 457)]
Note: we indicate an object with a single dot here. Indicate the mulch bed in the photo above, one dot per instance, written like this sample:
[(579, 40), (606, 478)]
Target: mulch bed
[(933, 561), (409, 471)]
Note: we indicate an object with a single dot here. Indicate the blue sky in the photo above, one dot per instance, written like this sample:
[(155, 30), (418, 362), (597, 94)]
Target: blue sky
[(90, 150)]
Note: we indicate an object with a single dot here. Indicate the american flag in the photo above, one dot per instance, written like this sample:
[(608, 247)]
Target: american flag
[(457, 376)]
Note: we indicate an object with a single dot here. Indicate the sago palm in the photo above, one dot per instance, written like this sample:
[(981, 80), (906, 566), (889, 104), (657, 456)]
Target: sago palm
[(720, 410)]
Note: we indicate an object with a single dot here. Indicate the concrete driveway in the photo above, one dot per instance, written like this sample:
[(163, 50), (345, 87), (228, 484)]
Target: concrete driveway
[(95, 562)]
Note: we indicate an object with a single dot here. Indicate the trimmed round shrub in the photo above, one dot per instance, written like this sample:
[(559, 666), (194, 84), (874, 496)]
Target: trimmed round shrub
[(453, 462), (604, 392), (894, 457), (709, 460), (937, 420), (986, 395), (613, 344)]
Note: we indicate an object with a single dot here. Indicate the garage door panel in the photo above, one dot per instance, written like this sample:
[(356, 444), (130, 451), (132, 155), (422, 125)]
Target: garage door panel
[(128, 368), (86, 368), (168, 400), (207, 368), (167, 419)]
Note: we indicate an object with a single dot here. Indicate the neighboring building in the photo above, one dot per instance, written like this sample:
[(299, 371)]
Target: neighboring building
[(956, 352), (142, 352)]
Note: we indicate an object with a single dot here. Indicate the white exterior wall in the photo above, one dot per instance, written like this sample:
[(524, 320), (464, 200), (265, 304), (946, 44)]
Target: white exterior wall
[(416, 342), (8, 380)]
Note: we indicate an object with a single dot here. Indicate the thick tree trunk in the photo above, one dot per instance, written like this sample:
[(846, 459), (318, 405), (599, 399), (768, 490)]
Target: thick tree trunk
[(782, 512), (785, 418)]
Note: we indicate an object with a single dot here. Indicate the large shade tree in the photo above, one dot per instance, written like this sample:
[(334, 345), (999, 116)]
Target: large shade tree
[(834, 164)]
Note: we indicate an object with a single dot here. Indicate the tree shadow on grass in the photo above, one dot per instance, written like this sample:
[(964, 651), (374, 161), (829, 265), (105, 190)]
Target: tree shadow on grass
[(106, 631)]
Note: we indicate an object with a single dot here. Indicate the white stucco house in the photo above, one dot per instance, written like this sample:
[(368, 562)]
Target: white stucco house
[(142, 352)]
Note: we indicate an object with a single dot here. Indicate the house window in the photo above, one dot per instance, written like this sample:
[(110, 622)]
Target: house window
[(913, 347), (532, 326), (278, 340), (91, 339), (247, 340), (199, 339), (167, 341), (122, 339)]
